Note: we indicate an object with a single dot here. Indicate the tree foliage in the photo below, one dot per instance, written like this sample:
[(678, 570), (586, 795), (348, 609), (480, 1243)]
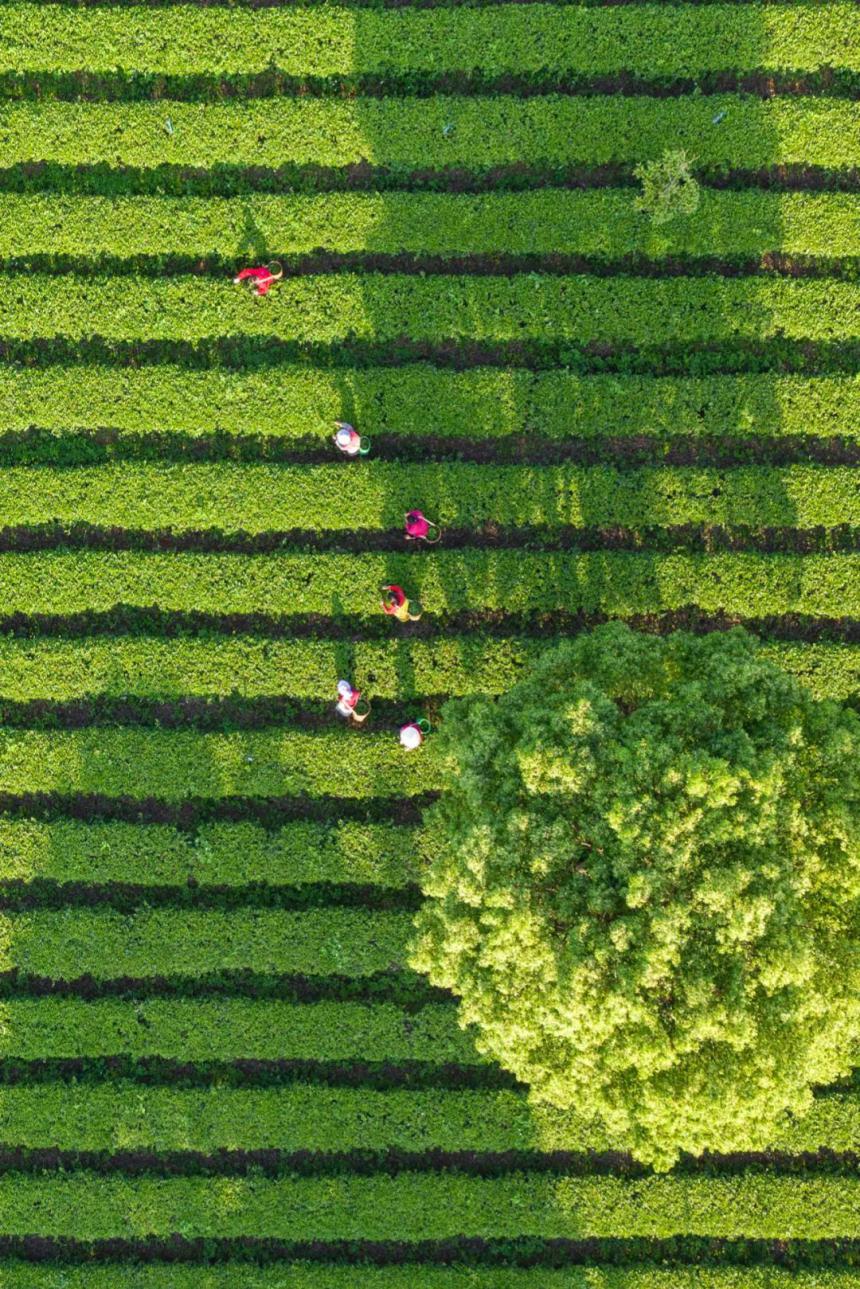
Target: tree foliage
[(646, 887), (669, 187)]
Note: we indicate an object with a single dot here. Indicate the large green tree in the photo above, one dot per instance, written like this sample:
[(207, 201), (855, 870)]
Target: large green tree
[(646, 887)]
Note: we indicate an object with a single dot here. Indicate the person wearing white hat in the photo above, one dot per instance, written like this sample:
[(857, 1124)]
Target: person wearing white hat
[(412, 735), (347, 438), (347, 698), (351, 704)]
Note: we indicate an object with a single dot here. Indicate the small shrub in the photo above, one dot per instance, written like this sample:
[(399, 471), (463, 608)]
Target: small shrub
[(669, 188)]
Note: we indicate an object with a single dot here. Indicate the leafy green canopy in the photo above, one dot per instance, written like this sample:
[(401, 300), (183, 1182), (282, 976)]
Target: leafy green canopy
[(669, 187), (646, 887)]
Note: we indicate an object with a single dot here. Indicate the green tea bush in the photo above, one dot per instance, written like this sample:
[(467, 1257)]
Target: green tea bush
[(405, 134), (601, 222), (417, 400), (104, 943), (324, 309), (252, 667), (419, 1206), (294, 1116), (345, 40), (333, 1275), (231, 1029), (250, 498), (618, 583)]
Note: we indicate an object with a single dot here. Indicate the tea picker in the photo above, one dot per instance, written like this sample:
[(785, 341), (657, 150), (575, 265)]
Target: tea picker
[(396, 604), (260, 279), (420, 529), (413, 734), (350, 441), (350, 703)]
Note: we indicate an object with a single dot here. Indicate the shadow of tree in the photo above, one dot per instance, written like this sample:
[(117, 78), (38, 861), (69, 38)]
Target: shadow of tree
[(344, 647), (688, 390), (252, 239)]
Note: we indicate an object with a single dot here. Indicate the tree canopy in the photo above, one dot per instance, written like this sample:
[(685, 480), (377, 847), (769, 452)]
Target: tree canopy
[(645, 887)]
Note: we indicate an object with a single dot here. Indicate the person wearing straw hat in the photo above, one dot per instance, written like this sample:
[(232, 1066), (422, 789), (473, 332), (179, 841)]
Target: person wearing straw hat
[(260, 278), (420, 529), (396, 604)]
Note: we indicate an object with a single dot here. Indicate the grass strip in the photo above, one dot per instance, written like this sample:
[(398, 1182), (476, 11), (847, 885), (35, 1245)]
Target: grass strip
[(414, 1275), (177, 765), (231, 1029), (122, 1116), (103, 944), (595, 222), (419, 400), (328, 308), (619, 583), (217, 666), (647, 40), (223, 854), (417, 1206), (229, 498), (318, 1275), (436, 133)]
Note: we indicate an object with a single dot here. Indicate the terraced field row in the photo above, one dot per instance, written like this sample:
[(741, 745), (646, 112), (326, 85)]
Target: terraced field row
[(299, 855), (441, 132), (241, 669), (599, 222), (420, 401), (418, 1206), (297, 1116), (327, 309), (216, 1068), (259, 498), (647, 40), (103, 944), (174, 765), (203, 1032), (305, 1275), (451, 582)]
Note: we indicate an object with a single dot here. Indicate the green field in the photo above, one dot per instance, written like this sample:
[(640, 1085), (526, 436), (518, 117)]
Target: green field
[(217, 1070)]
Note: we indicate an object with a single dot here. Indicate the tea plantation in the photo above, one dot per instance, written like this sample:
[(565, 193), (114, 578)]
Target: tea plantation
[(216, 1069)]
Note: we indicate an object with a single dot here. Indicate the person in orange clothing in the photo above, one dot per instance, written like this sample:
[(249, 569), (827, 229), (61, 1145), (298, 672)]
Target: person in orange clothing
[(260, 278), (397, 606)]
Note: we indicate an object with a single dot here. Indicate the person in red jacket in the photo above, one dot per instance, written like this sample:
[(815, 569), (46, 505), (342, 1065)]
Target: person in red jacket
[(397, 605), (262, 278)]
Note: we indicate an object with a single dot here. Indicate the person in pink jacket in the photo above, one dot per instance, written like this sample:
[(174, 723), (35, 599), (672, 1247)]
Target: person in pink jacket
[(420, 529)]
